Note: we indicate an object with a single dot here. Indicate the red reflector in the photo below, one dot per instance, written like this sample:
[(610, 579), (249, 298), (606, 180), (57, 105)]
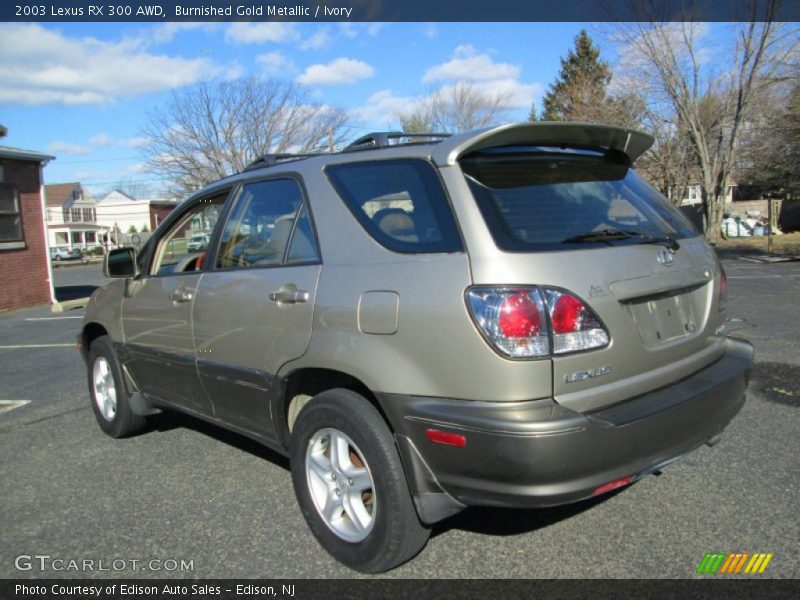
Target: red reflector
[(448, 439), (566, 314), (612, 485), (519, 316)]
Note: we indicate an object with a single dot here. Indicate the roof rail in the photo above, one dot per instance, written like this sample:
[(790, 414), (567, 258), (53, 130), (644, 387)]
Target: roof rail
[(267, 160), (383, 139)]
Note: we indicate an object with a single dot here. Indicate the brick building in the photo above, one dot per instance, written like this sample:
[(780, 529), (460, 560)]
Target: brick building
[(25, 274)]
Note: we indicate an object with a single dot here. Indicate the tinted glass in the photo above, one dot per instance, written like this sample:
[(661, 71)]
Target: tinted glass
[(400, 203), (260, 226), (303, 247), (547, 200), (175, 252)]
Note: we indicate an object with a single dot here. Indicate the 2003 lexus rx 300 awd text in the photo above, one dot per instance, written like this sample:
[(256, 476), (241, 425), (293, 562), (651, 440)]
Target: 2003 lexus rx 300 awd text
[(507, 317)]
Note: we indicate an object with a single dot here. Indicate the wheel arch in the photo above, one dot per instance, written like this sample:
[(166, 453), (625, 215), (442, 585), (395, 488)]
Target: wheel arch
[(310, 381)]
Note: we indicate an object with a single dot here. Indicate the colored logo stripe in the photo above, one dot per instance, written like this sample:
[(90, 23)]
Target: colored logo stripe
[(734, 562)]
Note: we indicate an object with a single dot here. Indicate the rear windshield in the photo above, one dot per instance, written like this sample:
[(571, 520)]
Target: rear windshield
[(561, 199)]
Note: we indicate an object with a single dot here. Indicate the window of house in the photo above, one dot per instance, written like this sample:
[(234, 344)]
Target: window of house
[(66, 215), (87, 215), (91, 237), (76, 215), (10, 217), (76, 237)]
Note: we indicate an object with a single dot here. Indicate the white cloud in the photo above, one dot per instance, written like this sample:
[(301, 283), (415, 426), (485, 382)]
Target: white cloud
[(321, 39), (468, 65), (259, 33), (43, 66), (430, 30), (339, 71), (137, 169), (67, 148), (382, 108), (354, 30), (275, 63), (100, 140), (134, 142)]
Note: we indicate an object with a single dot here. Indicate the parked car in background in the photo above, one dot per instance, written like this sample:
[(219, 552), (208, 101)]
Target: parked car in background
[(198, 242), (507, 317), (59, 253)]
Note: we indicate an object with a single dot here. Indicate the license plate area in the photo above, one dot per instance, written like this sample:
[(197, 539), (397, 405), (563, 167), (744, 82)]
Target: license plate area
[(664, 317)]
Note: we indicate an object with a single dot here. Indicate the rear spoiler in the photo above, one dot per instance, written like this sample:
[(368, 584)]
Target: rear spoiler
[(547, 133)]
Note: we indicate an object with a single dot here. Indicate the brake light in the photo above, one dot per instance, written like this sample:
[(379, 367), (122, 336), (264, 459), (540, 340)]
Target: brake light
[(531, 322), (723, 289), (575, 326), (519, 316)]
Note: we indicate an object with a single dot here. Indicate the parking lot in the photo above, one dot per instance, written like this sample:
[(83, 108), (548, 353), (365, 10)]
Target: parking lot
[(187, 491)]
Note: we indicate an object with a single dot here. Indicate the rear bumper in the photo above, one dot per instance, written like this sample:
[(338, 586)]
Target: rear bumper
[(538, 453)]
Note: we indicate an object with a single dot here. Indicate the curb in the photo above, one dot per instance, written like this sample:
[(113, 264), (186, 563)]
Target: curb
[(60, 307)]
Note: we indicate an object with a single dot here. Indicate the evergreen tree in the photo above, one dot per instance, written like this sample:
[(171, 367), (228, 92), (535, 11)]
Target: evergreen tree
[(580, 89)]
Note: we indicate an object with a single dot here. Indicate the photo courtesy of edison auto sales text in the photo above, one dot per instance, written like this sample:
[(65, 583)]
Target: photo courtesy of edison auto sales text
[(124, 589)]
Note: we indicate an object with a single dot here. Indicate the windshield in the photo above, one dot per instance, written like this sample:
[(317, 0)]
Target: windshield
[(561, 199)]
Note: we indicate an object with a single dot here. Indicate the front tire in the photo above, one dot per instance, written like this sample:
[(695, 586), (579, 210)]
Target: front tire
[(109, 395), (350, 483)]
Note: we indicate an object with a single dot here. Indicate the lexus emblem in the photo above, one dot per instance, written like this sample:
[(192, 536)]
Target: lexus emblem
[(665, 257)]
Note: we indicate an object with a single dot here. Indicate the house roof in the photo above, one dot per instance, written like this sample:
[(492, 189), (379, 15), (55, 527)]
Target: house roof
[(22, 154), (58, 193), (117, 197)]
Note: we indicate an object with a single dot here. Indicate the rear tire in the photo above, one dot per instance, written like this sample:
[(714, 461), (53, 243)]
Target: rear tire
[(108, 392), (355, 501)]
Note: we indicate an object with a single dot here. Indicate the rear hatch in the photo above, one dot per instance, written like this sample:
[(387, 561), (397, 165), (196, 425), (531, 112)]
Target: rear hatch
[(579, 219)]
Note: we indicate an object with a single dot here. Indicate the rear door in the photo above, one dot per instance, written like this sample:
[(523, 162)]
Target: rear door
[(253, 310), (159, 349)]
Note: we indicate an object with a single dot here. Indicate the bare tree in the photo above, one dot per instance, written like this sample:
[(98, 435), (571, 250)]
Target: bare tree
[(707, 100), (456, 108), (212, 130)]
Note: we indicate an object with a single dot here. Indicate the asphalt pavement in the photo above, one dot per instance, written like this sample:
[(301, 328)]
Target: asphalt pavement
[(187, 491)]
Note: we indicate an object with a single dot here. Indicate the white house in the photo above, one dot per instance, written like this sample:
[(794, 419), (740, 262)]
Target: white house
[(71, 216), (120, 212), (692, 194)]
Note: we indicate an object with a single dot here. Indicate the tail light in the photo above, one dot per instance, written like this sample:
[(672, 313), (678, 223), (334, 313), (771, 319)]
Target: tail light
[(532, 322), (723, 289), (575, 326), (513, 320)]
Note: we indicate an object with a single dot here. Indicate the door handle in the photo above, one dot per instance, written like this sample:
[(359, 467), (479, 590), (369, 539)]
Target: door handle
[(181, 294), (289, 295)]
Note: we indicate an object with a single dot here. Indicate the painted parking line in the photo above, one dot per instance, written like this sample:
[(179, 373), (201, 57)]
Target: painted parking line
[(9, 405), (51, 318), (21, 346)]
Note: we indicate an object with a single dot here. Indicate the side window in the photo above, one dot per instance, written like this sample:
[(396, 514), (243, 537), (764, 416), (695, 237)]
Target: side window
[(183, 246), (262, 226), (400, 203)]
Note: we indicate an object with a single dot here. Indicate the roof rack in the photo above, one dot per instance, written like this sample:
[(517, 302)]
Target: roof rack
[(383, 139), (267, 160)]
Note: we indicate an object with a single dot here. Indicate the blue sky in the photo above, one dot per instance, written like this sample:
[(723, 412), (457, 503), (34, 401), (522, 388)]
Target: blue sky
[(81, 91)]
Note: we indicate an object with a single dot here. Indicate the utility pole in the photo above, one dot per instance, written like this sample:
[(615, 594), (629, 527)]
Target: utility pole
[(330, 140)]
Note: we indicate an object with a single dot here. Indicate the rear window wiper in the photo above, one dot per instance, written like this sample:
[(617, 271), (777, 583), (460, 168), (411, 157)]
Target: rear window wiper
[(605, 236), (668, 241)]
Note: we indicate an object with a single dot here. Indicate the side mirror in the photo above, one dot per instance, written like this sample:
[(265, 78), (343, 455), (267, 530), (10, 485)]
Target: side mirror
[(121, 263)]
